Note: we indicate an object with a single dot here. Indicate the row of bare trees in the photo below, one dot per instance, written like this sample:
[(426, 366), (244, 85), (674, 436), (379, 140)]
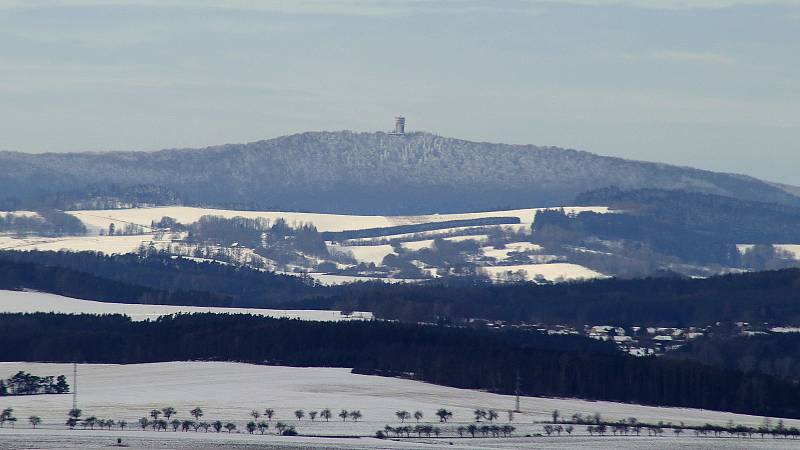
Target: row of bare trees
[(473, 430), (165, 418)]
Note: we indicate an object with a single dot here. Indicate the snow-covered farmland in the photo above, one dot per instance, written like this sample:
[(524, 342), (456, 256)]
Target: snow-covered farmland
[(100, 219), (105, 244), (366, 253), (550, 272), (19, 213), (427, 243), (30, 302), (331, 280), (229, 391), (793, 249), (293, 262), (460, 232), (17, 438)]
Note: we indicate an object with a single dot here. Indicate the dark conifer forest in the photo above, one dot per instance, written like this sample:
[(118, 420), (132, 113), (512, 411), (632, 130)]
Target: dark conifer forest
[(560, 366), (776, 354)]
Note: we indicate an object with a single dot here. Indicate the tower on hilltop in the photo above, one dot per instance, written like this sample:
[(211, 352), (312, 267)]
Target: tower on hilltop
[(399, 126)]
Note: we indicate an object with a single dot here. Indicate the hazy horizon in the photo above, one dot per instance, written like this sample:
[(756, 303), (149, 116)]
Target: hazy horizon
[(703, 83)]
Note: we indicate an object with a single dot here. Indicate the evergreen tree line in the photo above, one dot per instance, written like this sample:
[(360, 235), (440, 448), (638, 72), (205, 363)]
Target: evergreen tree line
[(722, 218), (103, 195), (416, 228), (758, 297), (555, 228), (76, 284), (559, 366), (159, 276), (776, 354)]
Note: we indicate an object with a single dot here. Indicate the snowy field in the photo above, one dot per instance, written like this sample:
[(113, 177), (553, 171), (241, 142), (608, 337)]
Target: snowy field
[(550, 272), (229, 391), (106, 244), (100, 219), (332, 280), (16, 439), (19, 213), (375, 253), (366, 253), (503, 254), (794, 249), (29, 302)]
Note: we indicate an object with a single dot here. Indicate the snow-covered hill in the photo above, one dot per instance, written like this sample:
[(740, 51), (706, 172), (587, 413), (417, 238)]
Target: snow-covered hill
[(101, 219), (31, 302), (354, 173), (229, 391)]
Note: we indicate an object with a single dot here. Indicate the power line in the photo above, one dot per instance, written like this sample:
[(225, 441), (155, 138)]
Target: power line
[(74, 385)]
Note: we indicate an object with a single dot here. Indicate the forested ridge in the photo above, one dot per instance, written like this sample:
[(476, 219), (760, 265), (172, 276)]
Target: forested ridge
[(562, 366), (73, 283), (770, 296), (775, 354), (347, 172), (553, 228), (721, 218), (658, 230), (199, 283)]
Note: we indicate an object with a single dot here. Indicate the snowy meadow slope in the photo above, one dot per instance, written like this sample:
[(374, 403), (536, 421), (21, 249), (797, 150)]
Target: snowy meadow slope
[(32, 302), (100, 219), (229, 391)]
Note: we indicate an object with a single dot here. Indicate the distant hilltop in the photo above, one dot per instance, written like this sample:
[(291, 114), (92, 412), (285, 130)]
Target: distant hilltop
[(349, 172)]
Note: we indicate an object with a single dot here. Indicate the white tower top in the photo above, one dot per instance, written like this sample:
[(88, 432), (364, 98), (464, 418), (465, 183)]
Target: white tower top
[(399, 126)]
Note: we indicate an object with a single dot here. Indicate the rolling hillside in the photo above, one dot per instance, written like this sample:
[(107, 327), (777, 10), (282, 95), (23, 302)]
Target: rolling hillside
[(353, 173)]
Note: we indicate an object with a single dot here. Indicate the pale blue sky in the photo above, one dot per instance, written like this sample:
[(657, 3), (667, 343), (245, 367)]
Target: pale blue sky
[(708, 83)]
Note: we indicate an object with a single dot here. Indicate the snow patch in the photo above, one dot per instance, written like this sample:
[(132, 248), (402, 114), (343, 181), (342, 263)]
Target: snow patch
[(550, 272), (105, 244)]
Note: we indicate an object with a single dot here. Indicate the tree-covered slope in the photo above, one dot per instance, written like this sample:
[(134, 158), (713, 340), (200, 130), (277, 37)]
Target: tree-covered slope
[(760, 297), (350, 172), (557, 366)]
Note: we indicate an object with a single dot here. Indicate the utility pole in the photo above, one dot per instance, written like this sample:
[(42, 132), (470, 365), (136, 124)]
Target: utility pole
[(516, 392), (74, 385)]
